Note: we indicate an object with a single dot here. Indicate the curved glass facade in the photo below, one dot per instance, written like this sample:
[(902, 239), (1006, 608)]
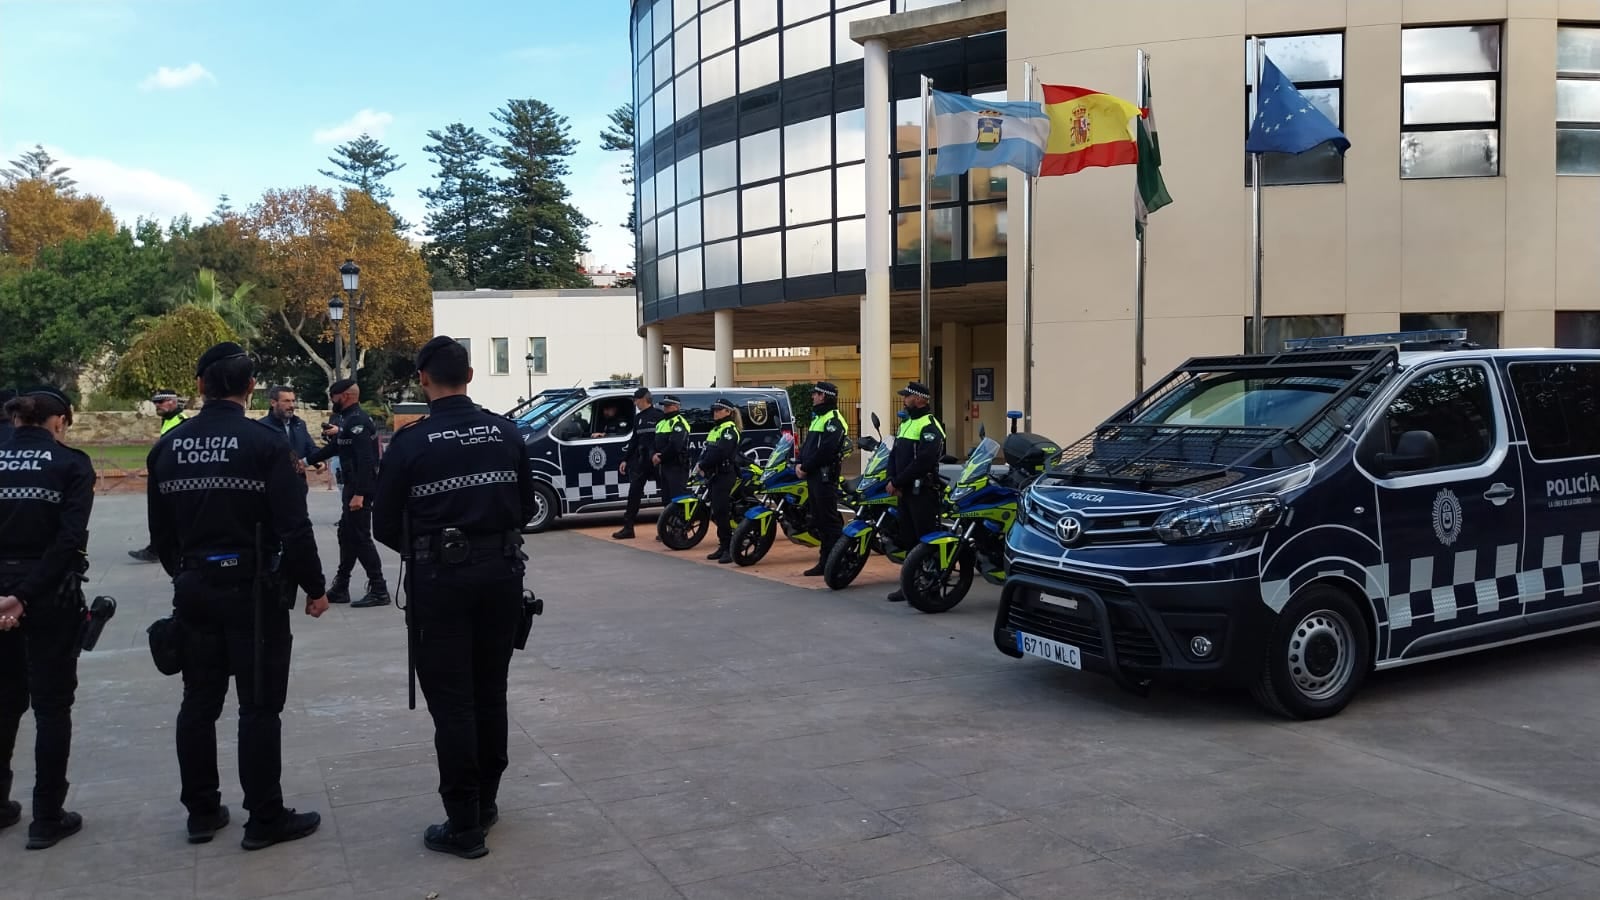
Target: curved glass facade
[(751, 153)]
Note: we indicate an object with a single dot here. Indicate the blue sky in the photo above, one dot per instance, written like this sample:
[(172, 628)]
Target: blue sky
[(161, 105)]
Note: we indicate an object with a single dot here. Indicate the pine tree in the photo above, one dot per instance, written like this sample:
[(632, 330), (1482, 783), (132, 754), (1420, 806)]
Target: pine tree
[(38, 165), (462, 208), (223, 210), (619, 137), (541, 234), (363, 164)]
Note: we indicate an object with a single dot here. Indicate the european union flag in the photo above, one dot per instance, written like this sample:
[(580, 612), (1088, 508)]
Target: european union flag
[(1286, 122)]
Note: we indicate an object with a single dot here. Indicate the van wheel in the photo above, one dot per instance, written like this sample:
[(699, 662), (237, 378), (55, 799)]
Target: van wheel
[(544, 509), (1318, 653)]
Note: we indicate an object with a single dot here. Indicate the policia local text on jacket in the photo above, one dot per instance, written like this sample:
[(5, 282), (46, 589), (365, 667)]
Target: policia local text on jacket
[(217, 482), (826, 441), (46, 493), (914, 468), (719, 462), (356, 445), (636, 464), (462, 479)]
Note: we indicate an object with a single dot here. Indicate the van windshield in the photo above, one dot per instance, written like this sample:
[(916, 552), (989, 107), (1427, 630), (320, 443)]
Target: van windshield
[(546, 411), (1227, 399)]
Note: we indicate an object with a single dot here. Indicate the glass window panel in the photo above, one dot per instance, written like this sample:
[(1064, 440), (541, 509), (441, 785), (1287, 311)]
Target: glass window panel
[(1578, 330), (808, 198), (987, 237), (758, 157), (536, 346), (1454, 50), (942, 227), (722, 216), (1578, 49), (808, 145), (687, 42), (662, 17), (647, 198), (762, 257), (688, 170), (1319, 165), (644, 119), (689, 277), (688, 93), (1450, 154), (683, 11), (663, 60), (716, 29), (708, 4), (1483, 328), (643, 36), (667, 276), (666, 189), (987, 184), (809, 251), (760, 206), (663, 103), (757, 16), (852, 190), (1577, 100), (1577, 151), (644, 77), (666, 233), (844, 49), (940, 190), (722, 264), (908, 126), (647, 240), (758, 63), (1302, 57), (689, 224), (801, 10), (1438, 102), (850, 139), (852, 245), (806, 48), (502, 355), (721, 166), (717, 79)]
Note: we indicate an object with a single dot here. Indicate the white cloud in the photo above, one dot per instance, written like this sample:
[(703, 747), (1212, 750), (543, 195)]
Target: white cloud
[(366, 121), (166, 78), (132, 192)]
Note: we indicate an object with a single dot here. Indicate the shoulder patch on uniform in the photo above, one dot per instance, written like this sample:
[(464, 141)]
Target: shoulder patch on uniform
[(930, 435), (357, 429)]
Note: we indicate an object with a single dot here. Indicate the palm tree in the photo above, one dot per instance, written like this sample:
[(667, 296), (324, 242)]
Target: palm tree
[(242, 314)]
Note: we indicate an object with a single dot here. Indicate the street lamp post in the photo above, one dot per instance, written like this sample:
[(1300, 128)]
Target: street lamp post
[(351, 274), (530, 361), (336, 315)]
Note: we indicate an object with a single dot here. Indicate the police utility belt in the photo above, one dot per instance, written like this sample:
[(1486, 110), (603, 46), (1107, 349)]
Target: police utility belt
[(454, 547), (13, 571)]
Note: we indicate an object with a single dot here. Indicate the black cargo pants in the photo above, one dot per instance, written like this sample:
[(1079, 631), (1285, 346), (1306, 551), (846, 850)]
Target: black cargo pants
[(39, 667)]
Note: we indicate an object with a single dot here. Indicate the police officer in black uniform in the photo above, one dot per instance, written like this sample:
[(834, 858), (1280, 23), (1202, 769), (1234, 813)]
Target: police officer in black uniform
[(226, 509), (46, 492), (818, 463), (356, 444), (718, 463), (671, 457), (636, 465), (914, 469), (461, 477)]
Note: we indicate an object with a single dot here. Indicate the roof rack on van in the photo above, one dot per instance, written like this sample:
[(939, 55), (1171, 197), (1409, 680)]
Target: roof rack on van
[(1430, 339)]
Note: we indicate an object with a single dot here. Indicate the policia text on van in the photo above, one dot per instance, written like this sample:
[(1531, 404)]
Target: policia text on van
[(1294, 521)]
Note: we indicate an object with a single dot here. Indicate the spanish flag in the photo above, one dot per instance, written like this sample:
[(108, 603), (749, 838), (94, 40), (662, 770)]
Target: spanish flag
[(1087, 128)]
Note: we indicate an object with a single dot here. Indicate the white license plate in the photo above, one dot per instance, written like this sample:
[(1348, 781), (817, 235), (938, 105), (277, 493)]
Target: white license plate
[(1054, 651)]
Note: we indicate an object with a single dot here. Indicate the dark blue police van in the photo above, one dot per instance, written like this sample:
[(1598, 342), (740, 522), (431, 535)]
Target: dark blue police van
[(1293, 521), (576, 438)]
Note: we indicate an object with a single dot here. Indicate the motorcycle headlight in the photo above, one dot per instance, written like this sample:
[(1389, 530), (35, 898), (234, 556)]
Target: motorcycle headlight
[(1220, 520), (960, 491)]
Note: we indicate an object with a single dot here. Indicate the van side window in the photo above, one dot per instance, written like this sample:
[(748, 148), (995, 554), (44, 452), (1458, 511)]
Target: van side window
[(1560, 404), (1455, 405)]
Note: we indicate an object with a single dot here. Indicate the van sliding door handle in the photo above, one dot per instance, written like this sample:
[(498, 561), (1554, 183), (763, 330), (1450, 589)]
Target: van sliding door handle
[(1499, 494)]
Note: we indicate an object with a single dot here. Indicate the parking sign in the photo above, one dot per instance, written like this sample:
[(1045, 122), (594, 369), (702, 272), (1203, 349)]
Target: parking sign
[(983, 385)]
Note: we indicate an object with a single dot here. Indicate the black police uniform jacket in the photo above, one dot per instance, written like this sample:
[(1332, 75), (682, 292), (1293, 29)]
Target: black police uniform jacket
[(46, 492), (642, 445), (822, 449), (459, 467), (213, 479), (356, 445), (911, 460), (673, 445), (723, 452)]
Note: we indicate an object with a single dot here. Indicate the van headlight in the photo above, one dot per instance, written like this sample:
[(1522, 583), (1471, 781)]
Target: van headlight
[(1220, 520)]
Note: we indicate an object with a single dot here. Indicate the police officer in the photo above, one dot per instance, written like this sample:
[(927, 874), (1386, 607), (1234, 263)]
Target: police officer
[(46, 492), (671, 457), (216, 485), (462, 477), (355, 440), (818, 463), (914, 468), (637, 459), (611, 422), (718, 463), (170, 410)]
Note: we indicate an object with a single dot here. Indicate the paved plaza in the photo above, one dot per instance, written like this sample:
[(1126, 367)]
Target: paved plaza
[(684, 730)]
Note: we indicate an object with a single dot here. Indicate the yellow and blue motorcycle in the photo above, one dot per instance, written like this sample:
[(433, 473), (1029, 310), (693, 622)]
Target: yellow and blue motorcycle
[(685, 521), (875, 526), (784, 504)]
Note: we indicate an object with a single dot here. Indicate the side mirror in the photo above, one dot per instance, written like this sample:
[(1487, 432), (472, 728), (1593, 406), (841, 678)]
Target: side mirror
[(982, 432), (876, 422), (1414, 452), (867, 443)]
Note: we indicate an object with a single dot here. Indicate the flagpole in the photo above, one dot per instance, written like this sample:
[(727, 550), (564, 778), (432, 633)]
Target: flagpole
[(1027, 277), (1256, 338), (925, 344), (1138, 249)]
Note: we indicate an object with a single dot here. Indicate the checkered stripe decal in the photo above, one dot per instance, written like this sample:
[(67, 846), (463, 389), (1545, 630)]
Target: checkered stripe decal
[(462, 482), (592, 486), (213, 483), (30, 493), (1471, 584)]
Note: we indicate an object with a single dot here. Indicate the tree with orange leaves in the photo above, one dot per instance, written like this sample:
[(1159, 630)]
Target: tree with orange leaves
[(35, 214)]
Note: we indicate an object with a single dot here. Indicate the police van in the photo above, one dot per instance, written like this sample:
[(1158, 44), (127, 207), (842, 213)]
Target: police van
[(576, 438), (1293, 521)]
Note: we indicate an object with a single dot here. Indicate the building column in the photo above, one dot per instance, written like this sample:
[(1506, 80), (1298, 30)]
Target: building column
[(953, 405), (875, 332), (655, 368), (722, 337), (675, 375)]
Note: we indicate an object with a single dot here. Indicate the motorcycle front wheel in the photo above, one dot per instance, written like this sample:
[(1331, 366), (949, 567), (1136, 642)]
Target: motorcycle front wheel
[(926, 587), (749, 544), (679, 533), (845, 562)]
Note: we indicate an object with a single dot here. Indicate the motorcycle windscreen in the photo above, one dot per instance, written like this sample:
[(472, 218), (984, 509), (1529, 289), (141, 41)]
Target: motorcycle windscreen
[(979, 461), (782, 455), (877, 462)]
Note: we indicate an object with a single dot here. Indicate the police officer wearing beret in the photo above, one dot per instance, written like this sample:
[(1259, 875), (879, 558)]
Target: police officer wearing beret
[(460, 479), (355, 441), (46, 492), (719, 464), (914, 468), (636, 465), (817, 462), (225, 509)]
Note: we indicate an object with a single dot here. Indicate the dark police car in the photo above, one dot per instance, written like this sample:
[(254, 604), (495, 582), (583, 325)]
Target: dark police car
[(1293, 521), (576, 438)]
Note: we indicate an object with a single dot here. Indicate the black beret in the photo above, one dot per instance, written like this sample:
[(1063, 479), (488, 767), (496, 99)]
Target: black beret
[(427, 351), (725, 403), (670, 400), (826, 387), (218, 353), (340, 386), (916, 389), (641, 394)]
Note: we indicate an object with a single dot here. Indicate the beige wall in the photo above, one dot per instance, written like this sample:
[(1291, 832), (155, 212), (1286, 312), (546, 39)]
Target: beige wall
[(1523, 244)]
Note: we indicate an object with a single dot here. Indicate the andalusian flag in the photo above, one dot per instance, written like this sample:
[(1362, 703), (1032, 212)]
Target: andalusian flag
[(1087, 128), (1152, 193)]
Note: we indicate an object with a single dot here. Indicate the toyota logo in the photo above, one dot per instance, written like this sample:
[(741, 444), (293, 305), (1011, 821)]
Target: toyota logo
[(1069, 530)]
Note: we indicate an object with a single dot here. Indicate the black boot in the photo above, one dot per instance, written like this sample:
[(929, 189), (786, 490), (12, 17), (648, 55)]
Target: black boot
[(720, 552), (339, 591), (203, 828), (896, 597), (446, 839), (726, 557), (624, 533), (820, 567), (46, 833), (143, 554), (377, 595), (289, 826), (488, 816)]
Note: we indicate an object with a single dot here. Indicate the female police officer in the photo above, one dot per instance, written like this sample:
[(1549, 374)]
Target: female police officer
[(719, 464), (46, 491)]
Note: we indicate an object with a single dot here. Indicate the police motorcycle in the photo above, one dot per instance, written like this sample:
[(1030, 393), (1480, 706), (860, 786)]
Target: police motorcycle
[(981, 508), (785, 499), (687, 519), (875, 526)]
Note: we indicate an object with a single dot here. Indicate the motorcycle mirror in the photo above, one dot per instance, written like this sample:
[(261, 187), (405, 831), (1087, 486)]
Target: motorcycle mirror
[(981, 432), (877, 424)]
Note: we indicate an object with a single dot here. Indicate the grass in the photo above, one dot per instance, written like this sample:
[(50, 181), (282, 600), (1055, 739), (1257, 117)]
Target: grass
[(117, 456)]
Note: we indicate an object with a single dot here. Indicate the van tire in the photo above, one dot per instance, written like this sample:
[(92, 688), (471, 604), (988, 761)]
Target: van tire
[(1318, 653), (546, 509)]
